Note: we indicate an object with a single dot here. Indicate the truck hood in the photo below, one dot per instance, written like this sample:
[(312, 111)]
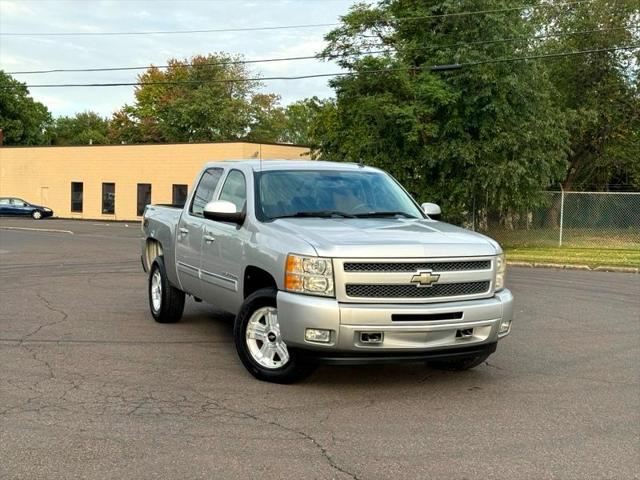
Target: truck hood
[(387, 238)]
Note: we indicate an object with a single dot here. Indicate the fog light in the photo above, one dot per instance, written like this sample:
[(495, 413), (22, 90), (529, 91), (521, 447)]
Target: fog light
[(316, 335), (505, 326)]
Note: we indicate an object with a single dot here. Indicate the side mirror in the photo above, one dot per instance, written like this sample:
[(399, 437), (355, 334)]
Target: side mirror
[(223, 211), (432, 210)]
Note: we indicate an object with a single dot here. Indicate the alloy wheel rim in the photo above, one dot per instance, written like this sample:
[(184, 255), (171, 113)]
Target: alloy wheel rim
[(263, 339), (156, 291), (37, 215)]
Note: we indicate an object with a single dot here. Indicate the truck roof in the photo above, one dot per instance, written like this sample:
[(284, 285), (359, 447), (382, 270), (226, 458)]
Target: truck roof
[(264, 165)]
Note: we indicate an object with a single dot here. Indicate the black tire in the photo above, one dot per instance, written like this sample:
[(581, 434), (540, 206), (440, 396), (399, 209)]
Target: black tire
[(458, 364), (36, 215), (294, 370), (171, 299)]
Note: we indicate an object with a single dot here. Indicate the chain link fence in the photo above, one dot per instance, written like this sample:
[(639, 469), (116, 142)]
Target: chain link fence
[(567, 219)]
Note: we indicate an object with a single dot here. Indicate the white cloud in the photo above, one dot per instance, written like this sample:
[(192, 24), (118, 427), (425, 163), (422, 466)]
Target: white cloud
[(28, 53), (10, 8)]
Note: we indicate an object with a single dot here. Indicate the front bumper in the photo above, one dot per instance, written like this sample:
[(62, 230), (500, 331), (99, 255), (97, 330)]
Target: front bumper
[(414, 331), (381, 357)]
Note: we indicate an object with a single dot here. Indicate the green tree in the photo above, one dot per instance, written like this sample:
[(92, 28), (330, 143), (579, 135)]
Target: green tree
[(598, 93), (82, 129), (490, 131), (307, 121), (267, 118), (23, 120), (196, 100)]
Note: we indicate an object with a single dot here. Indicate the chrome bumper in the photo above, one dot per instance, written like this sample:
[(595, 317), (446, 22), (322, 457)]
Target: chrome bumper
[(480, 323)]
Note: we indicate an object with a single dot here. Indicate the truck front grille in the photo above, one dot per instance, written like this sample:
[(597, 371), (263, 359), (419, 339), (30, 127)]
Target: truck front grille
[(412, 291), (414, 266)]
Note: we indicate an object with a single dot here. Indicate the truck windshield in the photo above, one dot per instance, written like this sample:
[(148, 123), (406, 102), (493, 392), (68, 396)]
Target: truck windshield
[(331, 193)]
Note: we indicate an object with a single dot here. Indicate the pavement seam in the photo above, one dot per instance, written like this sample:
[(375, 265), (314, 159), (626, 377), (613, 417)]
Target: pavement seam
[(49, 230)]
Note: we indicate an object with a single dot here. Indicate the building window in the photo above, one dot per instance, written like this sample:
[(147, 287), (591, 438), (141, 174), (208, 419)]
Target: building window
[(76, 196), (144, 197), (179, 197), (109, 198)]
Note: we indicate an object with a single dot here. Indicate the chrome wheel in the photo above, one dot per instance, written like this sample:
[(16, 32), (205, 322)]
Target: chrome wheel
[(263, 339), (36, 215), (156, 290)]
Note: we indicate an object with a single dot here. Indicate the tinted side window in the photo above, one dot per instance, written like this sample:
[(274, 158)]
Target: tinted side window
[(205, 190), (235, 190)]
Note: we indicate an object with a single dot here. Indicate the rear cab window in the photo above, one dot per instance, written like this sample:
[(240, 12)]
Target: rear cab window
[(205, 190)]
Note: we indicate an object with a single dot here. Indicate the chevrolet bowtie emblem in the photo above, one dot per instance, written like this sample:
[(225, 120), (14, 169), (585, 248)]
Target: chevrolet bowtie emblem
[(424, 279)]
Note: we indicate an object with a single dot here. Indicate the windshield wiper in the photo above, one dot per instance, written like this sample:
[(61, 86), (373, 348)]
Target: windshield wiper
[(317, 214), (383, 214)]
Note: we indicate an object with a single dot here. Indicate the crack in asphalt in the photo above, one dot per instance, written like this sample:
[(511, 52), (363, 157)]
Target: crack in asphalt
[(26, 337), (493, 366), (322, 449), (50, 307)]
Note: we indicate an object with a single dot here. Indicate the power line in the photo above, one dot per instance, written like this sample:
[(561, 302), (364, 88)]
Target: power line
[(163, 32), (456, 66), (551, 55), (206, 64), (331, 57), (288, 27)]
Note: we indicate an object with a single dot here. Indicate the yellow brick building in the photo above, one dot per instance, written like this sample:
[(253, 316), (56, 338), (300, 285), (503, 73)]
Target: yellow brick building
[(113, 182)]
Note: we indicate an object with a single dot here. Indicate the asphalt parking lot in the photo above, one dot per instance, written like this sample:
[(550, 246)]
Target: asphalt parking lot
[(92, 387)]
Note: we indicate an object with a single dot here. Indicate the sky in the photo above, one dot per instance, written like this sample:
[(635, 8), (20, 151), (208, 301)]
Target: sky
[(19, 53)]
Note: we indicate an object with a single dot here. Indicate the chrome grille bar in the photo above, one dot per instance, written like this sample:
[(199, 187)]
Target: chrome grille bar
[(413, 266), (412, 291)]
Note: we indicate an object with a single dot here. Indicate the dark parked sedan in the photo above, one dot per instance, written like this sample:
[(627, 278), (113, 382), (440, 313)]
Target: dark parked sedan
[(16, 206)]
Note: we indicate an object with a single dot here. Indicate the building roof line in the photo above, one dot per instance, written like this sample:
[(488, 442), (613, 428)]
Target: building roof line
[(226, 142)]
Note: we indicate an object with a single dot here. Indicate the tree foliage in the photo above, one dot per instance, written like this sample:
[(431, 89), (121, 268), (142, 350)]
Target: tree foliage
[(307, 122), (22, 119), (195, 101), (82, 129), (598, 93), (490, 131), (267, 118)]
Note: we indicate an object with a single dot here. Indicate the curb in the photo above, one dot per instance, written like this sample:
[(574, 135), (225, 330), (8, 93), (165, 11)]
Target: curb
[(574, 267)]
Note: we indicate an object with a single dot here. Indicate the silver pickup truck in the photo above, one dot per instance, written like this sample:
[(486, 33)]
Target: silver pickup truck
[(325, 262)]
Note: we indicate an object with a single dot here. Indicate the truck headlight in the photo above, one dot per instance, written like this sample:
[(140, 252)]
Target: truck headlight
[(310, 275), (501, 271)]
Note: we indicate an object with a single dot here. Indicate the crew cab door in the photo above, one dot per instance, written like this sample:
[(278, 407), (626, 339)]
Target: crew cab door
[(190, 229), (222, 249)]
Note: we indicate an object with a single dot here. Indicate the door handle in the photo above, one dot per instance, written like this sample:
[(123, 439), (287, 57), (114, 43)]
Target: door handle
[(209, 238), (184, 231)]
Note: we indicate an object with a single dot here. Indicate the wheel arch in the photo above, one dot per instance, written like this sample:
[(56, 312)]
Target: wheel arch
[(153, 249), (256, 278)]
